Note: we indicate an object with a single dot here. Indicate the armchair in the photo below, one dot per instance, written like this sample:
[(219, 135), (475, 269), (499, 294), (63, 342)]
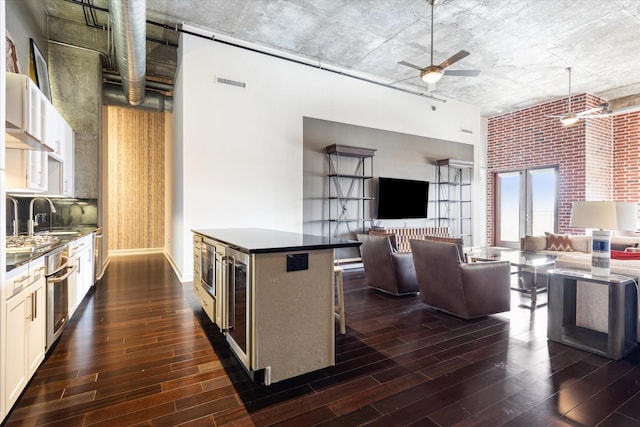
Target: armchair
[(386, 270), (464, 290)]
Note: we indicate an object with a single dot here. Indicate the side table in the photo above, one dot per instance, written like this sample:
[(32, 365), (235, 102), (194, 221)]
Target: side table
[(623, 308)]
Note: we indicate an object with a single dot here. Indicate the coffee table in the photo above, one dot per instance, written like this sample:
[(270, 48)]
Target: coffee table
[(531, 268)]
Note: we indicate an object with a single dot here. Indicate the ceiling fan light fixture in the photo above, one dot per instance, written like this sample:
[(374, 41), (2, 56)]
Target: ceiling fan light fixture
[(569, 119), (431, 74)]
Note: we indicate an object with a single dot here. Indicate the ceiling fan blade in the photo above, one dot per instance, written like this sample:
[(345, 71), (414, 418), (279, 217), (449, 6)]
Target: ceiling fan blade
[(590, 111), (595, 116), (463, 73), (407, 64), (453, 59)]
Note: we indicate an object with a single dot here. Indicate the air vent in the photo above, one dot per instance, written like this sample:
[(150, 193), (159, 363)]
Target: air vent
[(230, 82), (463, 130)]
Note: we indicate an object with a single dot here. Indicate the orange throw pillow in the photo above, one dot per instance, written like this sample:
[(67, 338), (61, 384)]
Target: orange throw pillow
[(559, 242)]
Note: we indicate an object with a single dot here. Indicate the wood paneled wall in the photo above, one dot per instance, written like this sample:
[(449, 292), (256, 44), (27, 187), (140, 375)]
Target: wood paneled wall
[(135, 179)]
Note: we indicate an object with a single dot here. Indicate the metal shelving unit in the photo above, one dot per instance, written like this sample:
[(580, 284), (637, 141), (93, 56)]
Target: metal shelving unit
[(349, 192), (453, 197)]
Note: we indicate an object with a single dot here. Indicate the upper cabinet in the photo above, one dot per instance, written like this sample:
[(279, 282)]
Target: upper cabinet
[(26, 171), (24, 113), (39, 141)]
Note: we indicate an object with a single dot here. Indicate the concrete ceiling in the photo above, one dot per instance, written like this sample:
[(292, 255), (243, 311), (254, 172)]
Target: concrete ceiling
[(522, 47)]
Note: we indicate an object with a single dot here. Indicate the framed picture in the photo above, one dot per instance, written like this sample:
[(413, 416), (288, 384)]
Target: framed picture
[(13, 66), (40, 70)]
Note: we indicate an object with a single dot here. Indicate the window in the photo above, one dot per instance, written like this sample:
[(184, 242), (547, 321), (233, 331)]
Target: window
[(526, 204)]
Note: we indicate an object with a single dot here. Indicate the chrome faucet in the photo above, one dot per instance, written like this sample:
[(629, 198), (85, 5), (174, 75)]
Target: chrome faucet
[(31, 223), (15, 215)]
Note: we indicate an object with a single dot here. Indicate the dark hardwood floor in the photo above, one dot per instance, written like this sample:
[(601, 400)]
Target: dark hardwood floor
[(140, 352)]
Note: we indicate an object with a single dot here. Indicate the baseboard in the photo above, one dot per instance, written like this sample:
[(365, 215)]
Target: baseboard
[(174, 267), (128, 252)]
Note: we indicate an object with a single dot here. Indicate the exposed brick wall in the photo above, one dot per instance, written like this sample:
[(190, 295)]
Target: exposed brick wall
[(626, 157), (531, 138)]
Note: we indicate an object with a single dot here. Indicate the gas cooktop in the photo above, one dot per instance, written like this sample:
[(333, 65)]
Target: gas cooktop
[(29, 243)]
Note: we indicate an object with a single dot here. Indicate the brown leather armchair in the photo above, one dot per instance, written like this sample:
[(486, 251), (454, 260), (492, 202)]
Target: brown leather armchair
[(464, 290), (387, 270)]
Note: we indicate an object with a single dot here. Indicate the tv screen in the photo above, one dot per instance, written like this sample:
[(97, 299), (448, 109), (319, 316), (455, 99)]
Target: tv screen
[(402, 198)]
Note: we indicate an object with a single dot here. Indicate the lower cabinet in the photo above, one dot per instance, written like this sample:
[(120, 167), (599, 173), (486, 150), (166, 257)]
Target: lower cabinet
[(80, 254), (24, 322), (25, 333)]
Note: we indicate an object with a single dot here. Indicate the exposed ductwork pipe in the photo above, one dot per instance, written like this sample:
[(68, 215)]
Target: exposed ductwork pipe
[(112, 94), (116, 78), (128, 19)]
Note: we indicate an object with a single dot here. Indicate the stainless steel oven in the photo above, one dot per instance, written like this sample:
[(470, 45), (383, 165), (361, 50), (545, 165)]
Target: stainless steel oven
[(57, 271), (208, 268)]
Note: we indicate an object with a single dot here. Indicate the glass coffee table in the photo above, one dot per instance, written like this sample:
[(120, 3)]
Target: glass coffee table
[(530, 269)]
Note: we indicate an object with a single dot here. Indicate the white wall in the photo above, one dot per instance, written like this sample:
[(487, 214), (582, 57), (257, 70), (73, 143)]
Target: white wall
[(242, 148)]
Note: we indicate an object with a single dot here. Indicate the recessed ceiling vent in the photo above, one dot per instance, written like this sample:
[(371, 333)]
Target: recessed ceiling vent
[(230, 82)]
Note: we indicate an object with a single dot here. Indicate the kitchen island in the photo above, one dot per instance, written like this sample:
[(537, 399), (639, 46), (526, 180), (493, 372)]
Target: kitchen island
[(271, 293)]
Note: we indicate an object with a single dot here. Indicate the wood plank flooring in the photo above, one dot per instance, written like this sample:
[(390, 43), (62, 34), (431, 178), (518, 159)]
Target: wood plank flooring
[(140, 352)]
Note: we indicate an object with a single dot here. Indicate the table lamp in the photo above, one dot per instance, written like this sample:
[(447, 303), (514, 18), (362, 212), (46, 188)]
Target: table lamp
[(603, 217)]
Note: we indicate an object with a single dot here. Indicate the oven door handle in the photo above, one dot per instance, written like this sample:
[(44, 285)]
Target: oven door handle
[(67, 274)]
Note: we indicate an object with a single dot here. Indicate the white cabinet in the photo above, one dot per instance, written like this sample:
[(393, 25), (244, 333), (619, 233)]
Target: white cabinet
[(16, 357), (60, 169), (33, 124), (72, 284), (25, 330), (61, 159), (68, 158), (80, 254), (51, 134), (24, 118), (36, 323), (27, 170)]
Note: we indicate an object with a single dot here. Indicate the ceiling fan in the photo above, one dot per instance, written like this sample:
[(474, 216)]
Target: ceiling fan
[(432, 73), (572, 117)]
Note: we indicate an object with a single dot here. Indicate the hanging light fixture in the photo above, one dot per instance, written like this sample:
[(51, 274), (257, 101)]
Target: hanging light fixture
[(569, 119), (431, 74)]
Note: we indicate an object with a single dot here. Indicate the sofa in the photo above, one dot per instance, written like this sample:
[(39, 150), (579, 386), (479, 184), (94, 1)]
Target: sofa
[(574, 251)]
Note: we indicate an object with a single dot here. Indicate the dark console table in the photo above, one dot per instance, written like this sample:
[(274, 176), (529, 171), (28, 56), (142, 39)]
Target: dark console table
[(623, 308)]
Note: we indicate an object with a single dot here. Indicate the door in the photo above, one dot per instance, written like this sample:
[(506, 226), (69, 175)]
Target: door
[(37, 334), (239, 294), (526, 203), (16, 334)]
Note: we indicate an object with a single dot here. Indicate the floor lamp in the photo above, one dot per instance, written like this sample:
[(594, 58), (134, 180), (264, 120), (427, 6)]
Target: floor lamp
[(603, 217)]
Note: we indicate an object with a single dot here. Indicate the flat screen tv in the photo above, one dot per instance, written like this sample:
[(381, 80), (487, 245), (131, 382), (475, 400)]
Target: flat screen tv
[(402, 198)]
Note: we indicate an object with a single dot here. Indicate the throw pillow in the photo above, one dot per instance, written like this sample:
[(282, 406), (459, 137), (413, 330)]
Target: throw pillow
[(581, 243), (625, 255), (534, 243), (622, 246), (559, 242)]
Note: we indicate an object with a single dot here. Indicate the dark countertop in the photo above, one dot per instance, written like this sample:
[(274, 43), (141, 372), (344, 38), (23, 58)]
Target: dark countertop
[(260, 240), (17, 259)]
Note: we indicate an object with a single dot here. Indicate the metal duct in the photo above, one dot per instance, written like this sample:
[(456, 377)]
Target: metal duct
[(112, 77), (128, 19), (154, 101)]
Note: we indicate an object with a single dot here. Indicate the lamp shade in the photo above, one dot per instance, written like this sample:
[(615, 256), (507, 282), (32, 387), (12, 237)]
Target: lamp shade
[(605, 215)]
